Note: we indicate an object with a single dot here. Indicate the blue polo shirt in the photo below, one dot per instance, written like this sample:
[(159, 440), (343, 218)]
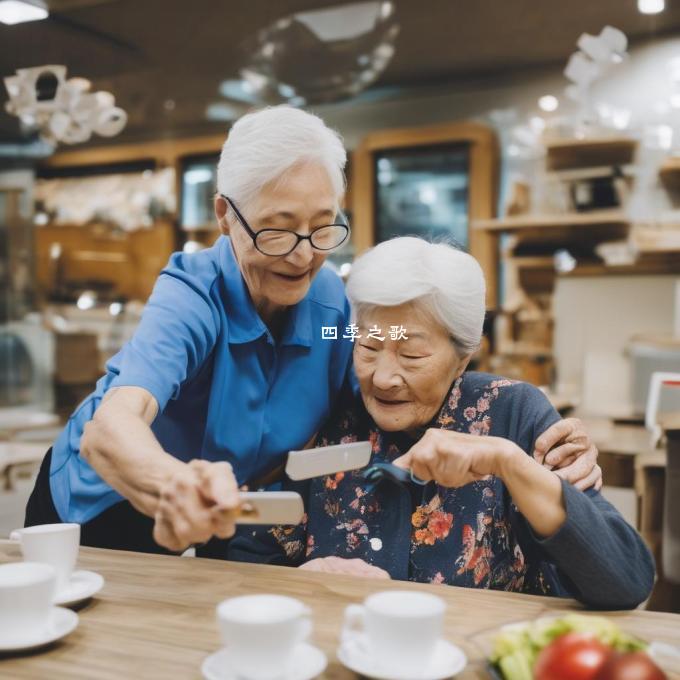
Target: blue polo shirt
[(226, 390)]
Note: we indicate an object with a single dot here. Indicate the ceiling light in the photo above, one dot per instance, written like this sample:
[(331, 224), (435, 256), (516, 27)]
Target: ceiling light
[(344, 22), (18, 11), (651, 6), (548, 103), (222, 111)]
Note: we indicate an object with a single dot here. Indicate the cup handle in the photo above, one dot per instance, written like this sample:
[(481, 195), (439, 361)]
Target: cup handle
[(15, 535), (355, 619)]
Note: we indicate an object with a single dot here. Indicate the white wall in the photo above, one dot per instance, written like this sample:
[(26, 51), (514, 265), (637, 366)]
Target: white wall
[(595, 318)]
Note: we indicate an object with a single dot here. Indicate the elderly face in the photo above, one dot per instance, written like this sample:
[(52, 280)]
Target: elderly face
[(300, 201), (404, 382)]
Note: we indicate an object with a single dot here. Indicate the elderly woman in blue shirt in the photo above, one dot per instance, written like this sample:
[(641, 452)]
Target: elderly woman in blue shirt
[(489, 515), (228, 369)]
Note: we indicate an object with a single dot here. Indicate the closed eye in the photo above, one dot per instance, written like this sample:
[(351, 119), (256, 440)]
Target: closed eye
[(368, 347), (411, 356)]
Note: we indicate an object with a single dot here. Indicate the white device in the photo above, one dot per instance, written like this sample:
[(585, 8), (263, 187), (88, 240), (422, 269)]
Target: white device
[(270, 507), (326, 460)]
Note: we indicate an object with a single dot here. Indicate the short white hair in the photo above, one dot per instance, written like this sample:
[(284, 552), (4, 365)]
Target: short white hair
[(442, 280), (262, 145)]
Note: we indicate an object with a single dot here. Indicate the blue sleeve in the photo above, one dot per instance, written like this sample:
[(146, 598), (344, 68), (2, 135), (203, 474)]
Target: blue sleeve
[(177, 332)]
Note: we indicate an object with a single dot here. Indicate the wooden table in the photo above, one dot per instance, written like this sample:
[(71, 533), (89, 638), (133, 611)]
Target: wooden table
[(155, 617)]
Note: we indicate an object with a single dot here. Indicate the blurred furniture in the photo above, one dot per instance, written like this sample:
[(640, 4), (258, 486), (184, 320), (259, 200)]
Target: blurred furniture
[(670, 542), (157, 613), (25, 436), (116, 263), (14, 455), (16, 257), (429, 181), (630, 462), (16, 298), (577, 227), (78, 366)]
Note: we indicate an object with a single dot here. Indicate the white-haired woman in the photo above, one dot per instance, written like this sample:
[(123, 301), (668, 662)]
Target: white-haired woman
[(488, 515), (227, 371)]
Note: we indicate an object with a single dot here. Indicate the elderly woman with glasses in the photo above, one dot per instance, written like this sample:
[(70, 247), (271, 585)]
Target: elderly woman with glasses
[(228, 369), (474, 509)]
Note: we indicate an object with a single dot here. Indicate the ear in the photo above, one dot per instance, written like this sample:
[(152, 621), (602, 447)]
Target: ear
[(221, 210), (463, 365)]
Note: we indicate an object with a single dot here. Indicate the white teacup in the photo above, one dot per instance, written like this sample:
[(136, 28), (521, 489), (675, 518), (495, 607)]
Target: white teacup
[(261, 632), (398, 628), (55, 544), (26, 593)]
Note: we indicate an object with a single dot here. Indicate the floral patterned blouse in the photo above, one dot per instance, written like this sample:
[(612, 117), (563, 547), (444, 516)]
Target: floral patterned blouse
[(469, 536)]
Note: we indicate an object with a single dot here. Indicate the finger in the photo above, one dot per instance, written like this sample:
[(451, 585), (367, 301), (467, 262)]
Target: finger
[(222, 486), (224, 522), (403, 461), (558, 455), (164, 535), (422, 471), (554, 434), (575, 472), (591, 480), (187, 513)]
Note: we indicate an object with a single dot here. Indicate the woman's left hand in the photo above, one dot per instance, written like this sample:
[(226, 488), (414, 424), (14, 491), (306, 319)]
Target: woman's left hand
[(454, 459), (566, 448)]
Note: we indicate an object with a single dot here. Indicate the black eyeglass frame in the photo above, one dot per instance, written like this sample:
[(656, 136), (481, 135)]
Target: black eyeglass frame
[(254, 234)]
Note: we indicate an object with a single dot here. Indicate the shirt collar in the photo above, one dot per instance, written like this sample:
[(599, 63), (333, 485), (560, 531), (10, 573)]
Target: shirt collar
[(245, 324)]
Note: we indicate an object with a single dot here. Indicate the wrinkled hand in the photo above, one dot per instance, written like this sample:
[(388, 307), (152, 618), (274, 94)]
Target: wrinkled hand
[(196, 503), (350, 567), (567, 448), (454, 459)]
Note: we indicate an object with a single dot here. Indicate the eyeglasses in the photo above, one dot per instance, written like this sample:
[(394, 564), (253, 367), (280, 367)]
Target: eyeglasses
[(278, 242)]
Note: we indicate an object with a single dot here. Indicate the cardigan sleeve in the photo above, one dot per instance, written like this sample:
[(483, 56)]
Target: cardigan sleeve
[(602, 560)]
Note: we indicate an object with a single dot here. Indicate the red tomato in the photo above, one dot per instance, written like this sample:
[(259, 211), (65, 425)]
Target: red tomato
[(632, 666), (573, 656)]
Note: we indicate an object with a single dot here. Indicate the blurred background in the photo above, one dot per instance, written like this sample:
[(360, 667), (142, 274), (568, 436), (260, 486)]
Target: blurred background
[(541, 136)]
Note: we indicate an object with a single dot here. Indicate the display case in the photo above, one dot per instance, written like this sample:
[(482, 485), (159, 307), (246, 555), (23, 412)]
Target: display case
[(429, 182)]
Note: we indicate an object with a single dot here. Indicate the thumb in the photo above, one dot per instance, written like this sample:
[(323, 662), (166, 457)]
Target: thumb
[(403, 461)]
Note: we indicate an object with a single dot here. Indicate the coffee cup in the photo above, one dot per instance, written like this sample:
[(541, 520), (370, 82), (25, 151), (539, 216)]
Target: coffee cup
[(260, 633), (398, 629), (26, 594), (54, 544)]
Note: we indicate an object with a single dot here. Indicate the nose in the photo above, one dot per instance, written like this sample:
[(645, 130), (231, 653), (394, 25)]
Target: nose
[(302, 255), (386, 375)]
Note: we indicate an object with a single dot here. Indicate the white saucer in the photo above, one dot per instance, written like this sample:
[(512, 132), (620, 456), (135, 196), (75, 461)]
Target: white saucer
[(306, 663), (60, 623), (447, 661), (82, 584)]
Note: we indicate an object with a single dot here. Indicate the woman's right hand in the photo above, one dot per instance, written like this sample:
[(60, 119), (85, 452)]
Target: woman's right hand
[(197, 501), (349, 567)]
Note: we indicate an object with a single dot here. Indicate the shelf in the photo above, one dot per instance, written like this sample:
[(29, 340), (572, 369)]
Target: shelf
[(657, 242), (575, 174), (638, 269), (595, 218), (670, 173), (564, 154), (532, 261)]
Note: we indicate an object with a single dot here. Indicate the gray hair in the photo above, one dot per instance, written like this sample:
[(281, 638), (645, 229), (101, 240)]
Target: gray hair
[(262, 145), (442, 280)]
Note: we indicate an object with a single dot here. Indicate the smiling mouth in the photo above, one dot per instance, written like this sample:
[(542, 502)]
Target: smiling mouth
[(293, 277), (390, 402)]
